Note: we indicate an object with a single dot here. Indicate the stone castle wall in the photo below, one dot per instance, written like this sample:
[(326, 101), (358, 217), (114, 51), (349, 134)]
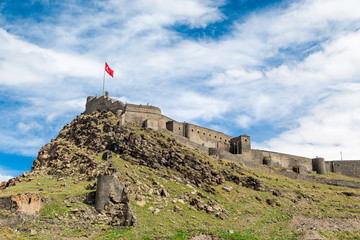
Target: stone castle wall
[(207, 137), (151, 117), (176, 127), (100, 103), (139, 114), (186, 142), (203, 139), (286, 161), (147, 116), (348, 168), (282, 160)]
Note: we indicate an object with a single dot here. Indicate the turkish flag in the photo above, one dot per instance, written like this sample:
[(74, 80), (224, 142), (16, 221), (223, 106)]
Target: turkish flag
[(108, 70)]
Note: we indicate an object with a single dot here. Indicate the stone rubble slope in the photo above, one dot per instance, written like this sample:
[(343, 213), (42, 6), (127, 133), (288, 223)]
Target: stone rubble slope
[(99, 132), (74, 154)]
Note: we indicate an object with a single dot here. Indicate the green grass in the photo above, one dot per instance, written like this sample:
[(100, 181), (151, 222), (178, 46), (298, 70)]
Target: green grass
[(251, 217), (332, 176)]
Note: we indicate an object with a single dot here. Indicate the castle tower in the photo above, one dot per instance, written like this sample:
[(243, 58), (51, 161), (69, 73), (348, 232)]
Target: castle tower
[(318, 164), (240, 145), (245, 145)]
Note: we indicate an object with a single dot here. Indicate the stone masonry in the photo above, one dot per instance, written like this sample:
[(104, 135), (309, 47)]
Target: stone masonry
[(203, 139), (28, 203)]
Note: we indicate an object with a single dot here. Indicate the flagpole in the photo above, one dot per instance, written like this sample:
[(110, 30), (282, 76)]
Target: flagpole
[(104, 83)]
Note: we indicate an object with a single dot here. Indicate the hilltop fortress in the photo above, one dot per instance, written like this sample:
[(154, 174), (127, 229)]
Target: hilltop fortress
[(216, 143)]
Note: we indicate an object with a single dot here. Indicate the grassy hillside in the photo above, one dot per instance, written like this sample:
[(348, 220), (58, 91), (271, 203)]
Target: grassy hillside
[(175, 192)]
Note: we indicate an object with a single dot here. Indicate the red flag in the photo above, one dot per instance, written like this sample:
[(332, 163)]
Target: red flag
[(108, 70)]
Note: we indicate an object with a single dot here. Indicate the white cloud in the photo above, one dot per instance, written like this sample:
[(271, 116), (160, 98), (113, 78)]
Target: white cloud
[(4, 178), (329, 81), (337, 62), (330, 127), (6, 174), (25, 127), (149, 13), (283, 93), (234, 77), (243, 121), (191, 80), (28, 128), (192, 106), (304, 21), (25, 63), (59, 108), (20, 143)]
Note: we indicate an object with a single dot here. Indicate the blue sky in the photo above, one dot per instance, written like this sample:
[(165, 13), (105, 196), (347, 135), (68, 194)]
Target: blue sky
[(284, 72)]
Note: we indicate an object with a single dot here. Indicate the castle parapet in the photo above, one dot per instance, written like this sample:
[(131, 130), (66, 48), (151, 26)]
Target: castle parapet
[(142, 108), (103, 103)]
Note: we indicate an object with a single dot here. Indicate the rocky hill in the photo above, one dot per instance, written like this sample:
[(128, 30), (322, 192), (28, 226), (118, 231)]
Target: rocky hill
[(100, 179)]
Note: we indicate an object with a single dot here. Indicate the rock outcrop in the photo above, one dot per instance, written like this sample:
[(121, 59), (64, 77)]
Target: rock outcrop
[(87, 149), (102, 133)]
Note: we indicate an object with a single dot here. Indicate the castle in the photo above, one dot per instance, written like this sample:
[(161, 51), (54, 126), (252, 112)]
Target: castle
[(216, 143)]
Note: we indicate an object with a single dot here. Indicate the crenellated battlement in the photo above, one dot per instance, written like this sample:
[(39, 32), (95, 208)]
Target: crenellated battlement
[(142, 108), (100, 103)]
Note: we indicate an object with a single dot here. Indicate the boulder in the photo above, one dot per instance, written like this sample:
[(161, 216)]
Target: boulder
[(109, 189), (227, 188), (112, 199), (107, 156)]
